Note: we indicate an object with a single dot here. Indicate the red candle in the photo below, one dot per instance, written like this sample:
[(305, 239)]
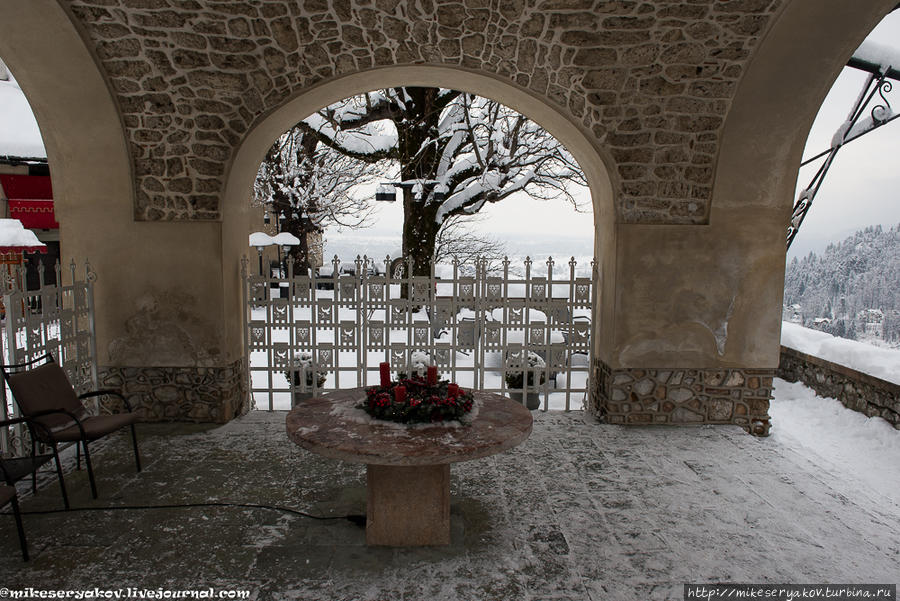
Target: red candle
[(385, 369), (432, 375), (452, 390), (399, 394)]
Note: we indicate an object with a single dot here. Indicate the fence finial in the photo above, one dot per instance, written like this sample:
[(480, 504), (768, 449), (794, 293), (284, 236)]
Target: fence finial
[(89, 274)]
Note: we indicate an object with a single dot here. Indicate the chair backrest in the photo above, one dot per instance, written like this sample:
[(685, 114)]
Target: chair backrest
[(45, 387)]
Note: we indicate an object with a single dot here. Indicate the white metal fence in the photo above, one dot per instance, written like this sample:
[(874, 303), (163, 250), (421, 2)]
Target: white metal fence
[(53, 318), (497, 331)]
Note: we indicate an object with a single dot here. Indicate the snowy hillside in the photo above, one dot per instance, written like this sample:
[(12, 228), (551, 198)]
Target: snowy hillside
[(852, 290)]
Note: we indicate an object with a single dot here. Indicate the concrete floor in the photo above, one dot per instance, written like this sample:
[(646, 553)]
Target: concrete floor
[(581, 511)]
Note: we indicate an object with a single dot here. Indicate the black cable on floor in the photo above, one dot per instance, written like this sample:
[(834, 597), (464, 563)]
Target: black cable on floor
[(358, 519)]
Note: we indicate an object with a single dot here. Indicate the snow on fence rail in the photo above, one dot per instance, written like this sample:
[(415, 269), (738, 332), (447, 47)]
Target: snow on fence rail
[(524, 336), (52, 318)]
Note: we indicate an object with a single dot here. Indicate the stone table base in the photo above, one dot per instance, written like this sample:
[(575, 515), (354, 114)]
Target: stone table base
[(408, 502), (408, 506)]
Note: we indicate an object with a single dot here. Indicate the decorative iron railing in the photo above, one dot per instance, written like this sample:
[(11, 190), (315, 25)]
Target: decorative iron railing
[(52, 318), (524, 335)]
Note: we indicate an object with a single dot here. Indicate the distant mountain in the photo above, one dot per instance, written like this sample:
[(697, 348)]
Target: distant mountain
[(852, 290)]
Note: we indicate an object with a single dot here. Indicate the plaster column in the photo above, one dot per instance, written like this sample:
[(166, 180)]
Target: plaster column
[(693, 337)]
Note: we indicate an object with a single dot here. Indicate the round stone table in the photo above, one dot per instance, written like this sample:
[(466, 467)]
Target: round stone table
[(408, 467)]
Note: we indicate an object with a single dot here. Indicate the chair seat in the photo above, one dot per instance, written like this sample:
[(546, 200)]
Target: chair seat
[(17, 468), (55, 413), (95, 427)]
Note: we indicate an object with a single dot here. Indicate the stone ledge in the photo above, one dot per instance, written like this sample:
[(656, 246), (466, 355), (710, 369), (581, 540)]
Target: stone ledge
[(856, 390)]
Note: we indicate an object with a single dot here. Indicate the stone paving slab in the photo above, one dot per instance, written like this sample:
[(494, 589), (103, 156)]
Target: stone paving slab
[(581, 511)]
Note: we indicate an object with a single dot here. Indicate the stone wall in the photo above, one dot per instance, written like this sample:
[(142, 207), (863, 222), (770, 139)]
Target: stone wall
[(651, 82), (856, 390), (682, 396), (196, 394)]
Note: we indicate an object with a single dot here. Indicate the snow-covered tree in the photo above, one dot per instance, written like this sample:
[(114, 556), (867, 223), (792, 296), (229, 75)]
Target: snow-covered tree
[(850, 281), (455, 152), (456, 241), (308, 186)]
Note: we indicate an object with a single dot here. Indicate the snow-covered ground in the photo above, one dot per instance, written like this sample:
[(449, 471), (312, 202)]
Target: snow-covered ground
[(862, 450), (883, 363)]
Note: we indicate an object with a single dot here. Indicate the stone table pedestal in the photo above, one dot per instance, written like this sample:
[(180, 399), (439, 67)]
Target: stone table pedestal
[(408, 467)]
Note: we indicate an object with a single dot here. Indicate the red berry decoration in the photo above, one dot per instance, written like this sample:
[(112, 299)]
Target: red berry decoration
[(415, 400)]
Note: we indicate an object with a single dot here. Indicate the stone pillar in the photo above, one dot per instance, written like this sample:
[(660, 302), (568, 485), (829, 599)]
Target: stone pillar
[(690, 332), (166, 335)]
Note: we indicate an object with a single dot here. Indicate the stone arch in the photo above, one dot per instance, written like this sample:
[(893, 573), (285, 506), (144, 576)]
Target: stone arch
[(158, 296), (650, 81), (780, 95), (80, 127), (765, 132), (258, 140), (75, 111), (252, 150)]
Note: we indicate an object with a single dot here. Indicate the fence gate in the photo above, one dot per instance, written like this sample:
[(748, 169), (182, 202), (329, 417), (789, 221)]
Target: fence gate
[(499, 330), (53, 318)]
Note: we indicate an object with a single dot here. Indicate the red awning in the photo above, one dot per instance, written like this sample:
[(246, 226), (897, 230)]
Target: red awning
[(27, 186), (5, 250), (30, 200), (34, 214)]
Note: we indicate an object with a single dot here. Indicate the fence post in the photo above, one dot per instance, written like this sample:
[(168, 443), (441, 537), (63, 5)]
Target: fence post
[(89, 278), (8, 356), (245, 319)]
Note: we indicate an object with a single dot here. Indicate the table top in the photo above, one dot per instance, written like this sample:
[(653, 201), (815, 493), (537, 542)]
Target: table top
[(329, 426)]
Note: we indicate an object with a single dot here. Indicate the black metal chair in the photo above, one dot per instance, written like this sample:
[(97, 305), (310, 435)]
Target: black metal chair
[(13, 469), (56, 414), (8, 495)]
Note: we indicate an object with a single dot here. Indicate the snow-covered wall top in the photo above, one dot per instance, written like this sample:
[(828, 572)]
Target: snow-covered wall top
[(882, 363), (19, 133)]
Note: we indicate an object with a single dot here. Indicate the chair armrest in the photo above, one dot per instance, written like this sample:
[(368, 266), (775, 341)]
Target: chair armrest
[(13, 420), (104, 392)]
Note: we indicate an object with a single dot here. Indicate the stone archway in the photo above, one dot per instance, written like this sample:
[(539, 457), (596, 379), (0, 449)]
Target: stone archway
[(157, 310), (691, 116), (239, 184), (250, 153)]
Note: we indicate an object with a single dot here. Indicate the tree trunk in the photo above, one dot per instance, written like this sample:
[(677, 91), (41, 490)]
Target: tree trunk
[(301, 228), (419, 233)]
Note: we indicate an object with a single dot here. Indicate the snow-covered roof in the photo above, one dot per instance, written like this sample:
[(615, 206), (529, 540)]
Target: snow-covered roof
[(261, 239), (264, 239), (14, 234), (19, 133), (286, 239)]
